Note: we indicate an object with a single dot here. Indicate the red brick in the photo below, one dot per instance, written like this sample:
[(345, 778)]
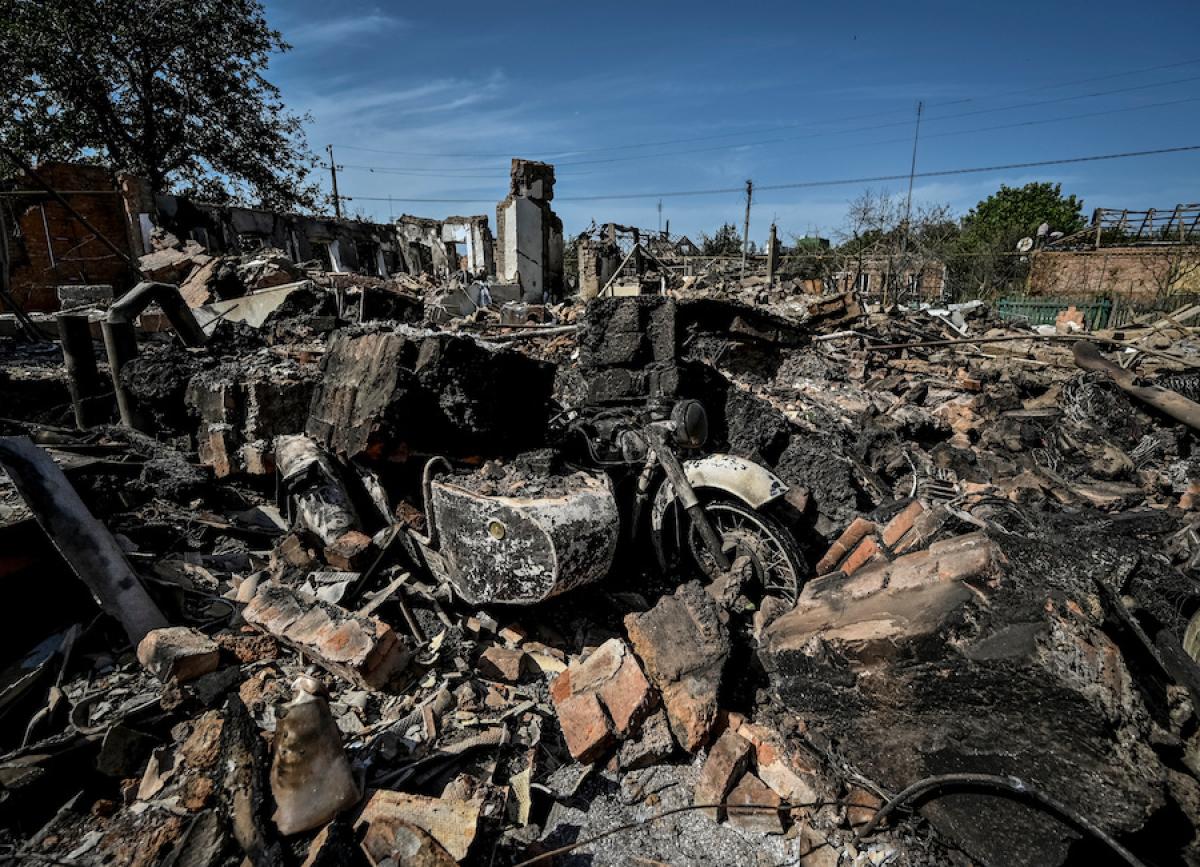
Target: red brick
[(866, 549), (585, 726), (789, 773), (727, 761), (178, 653), (901, 523), (628, 696), (683, 646), (751, 790), (850, 537), (501, 663), (351, 552), (364, 650), (611, 673)]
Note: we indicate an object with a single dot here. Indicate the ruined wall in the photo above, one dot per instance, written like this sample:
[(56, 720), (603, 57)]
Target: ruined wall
[(529, 233), (871, 276), (431, 246), (49, 247), (478, 245), (339, 245), (598, 261), (421, 245), (1133, 274)]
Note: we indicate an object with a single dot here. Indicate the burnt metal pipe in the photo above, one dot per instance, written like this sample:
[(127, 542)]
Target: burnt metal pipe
[(432, 537), (79, 359), (120, 341)]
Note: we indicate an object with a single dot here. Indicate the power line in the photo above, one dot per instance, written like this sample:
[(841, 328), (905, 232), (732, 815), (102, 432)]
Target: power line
[(433, 173), (744, 131), (879, 178), (846, 131), (808, 184), (874, 127)]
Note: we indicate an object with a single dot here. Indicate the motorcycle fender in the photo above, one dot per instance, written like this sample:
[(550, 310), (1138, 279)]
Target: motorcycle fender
[(749, 482)]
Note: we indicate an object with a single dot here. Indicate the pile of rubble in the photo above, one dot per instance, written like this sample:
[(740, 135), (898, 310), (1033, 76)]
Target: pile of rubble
[(371, 589)]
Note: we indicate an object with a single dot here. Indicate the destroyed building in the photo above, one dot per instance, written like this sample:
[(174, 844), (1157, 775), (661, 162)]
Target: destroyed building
[(402, 566), (529, 235), (433, 246)]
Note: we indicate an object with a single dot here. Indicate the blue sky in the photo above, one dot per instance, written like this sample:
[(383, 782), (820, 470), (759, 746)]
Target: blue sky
[(664, 97)]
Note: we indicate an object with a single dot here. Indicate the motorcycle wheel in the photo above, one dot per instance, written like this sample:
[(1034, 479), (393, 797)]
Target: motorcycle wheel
[(779, 568)]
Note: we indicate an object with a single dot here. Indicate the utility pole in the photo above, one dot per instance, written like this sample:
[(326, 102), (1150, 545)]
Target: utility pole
[(746, 225), (912, 172), (772, 254), (337, 200)]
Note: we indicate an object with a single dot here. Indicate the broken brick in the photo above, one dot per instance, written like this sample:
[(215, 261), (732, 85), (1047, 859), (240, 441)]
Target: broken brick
[(501, 663), (585, 726), (452, 823), (364, 650), (178, 653), (753, 792), (727, 761), (683, 645), (866, 549), (624, 697), (850, 537), (786, 772), (901, 523), (351, 552)]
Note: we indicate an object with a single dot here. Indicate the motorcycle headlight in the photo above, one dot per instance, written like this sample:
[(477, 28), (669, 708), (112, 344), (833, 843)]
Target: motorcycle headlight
[(691, 424)]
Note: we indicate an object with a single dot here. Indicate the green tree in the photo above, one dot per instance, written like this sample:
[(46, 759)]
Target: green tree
[(168, 90), (1012, 213), (985, 259), (724, 242)]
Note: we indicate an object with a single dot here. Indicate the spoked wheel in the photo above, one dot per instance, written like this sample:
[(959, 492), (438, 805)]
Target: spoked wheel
[(778, 567)]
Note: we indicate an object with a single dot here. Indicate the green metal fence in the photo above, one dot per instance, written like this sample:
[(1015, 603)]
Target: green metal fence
[(1043, 311)]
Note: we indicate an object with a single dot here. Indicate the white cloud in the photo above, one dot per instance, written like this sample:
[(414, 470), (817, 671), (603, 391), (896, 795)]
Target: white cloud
[(334, 31)]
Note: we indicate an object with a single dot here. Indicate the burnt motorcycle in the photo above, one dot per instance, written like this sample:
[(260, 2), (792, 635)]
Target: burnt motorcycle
[(624, 482)]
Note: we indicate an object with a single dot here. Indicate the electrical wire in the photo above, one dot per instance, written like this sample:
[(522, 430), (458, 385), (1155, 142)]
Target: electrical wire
[(1008, 784), (849, 130), (744, 131), (874, 127), (1013, 785), (632, 826), (796, 185), (445, 173)]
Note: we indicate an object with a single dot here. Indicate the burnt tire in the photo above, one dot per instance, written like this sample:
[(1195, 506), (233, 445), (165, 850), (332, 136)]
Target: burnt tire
[(779, 569)]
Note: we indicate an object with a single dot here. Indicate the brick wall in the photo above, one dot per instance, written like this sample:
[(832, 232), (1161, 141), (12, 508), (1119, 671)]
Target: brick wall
[(1140, 275), (49, 247)]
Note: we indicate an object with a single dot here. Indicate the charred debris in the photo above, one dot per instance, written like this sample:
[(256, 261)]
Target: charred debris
[(316, 569)]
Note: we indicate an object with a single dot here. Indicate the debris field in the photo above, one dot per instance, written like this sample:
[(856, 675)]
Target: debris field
[(726, 574)]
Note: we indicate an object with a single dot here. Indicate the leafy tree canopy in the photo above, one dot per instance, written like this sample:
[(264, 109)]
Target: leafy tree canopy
[(1004, 217), (169, 90)]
